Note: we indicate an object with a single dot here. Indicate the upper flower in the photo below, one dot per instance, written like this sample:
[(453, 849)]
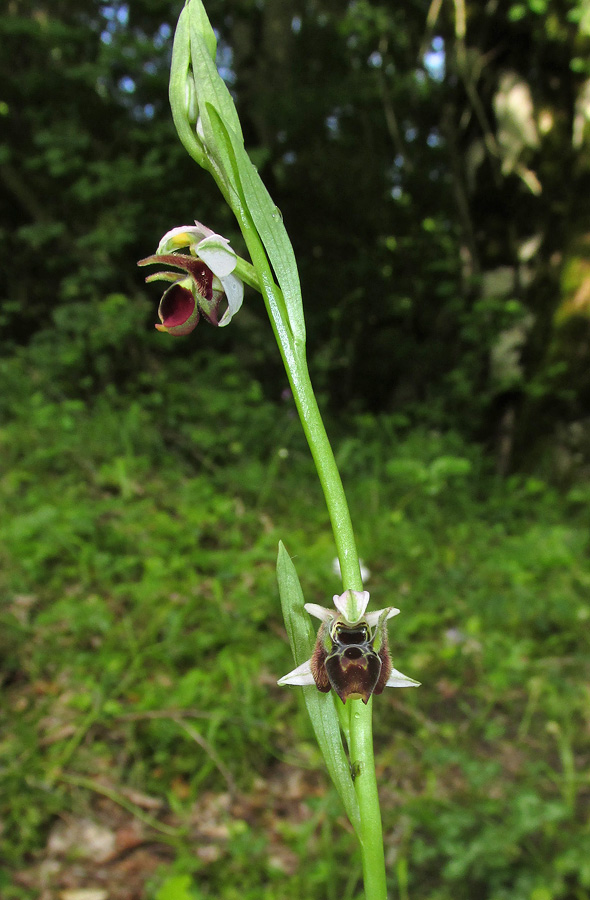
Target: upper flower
[(207, 285), (351, 654)]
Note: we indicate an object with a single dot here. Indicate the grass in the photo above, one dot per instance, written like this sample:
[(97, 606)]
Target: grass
[(141, 641)]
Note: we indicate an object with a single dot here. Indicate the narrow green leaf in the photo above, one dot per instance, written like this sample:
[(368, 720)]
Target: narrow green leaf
[(221, 143), (266, 218), (269, 224), (200, 24), (320, 707)]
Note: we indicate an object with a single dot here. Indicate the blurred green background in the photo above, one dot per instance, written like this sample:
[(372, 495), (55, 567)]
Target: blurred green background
[(432, 164)]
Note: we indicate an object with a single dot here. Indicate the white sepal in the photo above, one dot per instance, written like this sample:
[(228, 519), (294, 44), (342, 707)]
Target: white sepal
[(372, 618), (352, 605), (300, 675), (320, 612), (397, 679)]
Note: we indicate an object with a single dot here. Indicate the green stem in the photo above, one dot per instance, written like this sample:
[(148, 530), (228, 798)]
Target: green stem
[(295, 362), (328, 473), (247, 274), (365, 785), (360, 716)]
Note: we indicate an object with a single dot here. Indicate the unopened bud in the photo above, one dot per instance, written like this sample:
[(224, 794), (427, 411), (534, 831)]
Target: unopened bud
[(192, 106)]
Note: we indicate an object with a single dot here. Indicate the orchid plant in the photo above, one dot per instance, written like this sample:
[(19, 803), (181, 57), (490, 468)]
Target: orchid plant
[(347, 662)]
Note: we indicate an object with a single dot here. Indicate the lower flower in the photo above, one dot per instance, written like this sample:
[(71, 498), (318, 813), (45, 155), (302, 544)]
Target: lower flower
[(351, 655)]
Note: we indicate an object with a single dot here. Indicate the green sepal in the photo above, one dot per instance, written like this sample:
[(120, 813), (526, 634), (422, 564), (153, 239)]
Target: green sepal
[(321, 707)]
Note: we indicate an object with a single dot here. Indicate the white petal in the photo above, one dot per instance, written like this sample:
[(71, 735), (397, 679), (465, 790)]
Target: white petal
[(373, 617), (396, 679), (203, 230), (234, 292), (217, 254), (200, 131), (300, 675), (320, 612), (352, 605)]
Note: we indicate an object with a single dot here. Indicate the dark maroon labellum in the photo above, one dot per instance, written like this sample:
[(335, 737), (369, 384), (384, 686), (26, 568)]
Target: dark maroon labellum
[(177, 306), (345, 659)]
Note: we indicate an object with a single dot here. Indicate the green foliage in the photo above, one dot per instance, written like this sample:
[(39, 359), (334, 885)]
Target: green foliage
[(178, 887), (141, 639)]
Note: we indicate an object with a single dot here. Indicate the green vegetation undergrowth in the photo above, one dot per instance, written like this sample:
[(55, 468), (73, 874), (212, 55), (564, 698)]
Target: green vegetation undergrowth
[(141, 640)]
